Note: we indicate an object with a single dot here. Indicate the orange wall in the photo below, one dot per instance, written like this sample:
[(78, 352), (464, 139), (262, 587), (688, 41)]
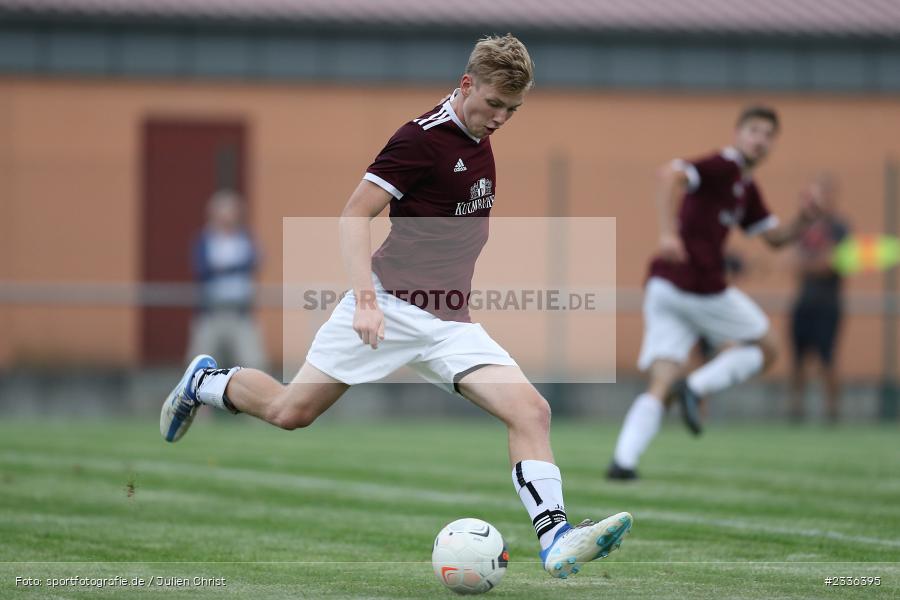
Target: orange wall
[(70, 181)]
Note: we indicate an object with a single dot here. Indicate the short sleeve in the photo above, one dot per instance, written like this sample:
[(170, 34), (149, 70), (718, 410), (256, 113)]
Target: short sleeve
[(757, 218), (402, 163), (707, 172), (690, 171)]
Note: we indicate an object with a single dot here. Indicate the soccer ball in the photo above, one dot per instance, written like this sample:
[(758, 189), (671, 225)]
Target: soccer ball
[(469, 556)]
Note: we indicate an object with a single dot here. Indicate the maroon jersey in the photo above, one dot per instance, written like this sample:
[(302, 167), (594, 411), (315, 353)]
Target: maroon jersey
[(718, 197), (443, 181)]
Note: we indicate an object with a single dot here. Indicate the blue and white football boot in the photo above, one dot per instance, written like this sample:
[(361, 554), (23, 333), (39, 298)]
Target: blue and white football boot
[(181, 405), (574, 546)]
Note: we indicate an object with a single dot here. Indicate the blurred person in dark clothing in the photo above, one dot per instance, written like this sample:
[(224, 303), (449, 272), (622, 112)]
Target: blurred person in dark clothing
[(817, 310), (225, 260)]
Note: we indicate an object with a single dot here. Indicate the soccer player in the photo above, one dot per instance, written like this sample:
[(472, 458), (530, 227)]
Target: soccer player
[(686, 294), (437, 174)]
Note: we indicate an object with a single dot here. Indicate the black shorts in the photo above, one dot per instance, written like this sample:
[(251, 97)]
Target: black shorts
[(814, 328)]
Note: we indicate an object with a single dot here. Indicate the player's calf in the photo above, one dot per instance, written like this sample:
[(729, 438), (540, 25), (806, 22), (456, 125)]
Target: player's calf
[(289, 407), (770, 349)]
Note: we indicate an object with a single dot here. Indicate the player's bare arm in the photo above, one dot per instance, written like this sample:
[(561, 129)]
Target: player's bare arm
[(672, 186), (366, 202), (789, 233)]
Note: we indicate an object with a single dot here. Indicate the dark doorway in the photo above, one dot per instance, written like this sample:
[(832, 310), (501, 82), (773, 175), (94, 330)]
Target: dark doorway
[(184, 162)]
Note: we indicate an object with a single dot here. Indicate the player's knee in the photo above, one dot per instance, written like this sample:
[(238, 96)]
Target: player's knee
[(291, 418), (292, 421), (535, 412), (661, 383)]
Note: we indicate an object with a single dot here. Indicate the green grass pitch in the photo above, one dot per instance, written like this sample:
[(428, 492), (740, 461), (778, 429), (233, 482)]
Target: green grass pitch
[(349, 510)]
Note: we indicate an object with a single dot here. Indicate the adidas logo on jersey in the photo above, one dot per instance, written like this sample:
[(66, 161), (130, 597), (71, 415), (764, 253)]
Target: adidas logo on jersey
[(460, 167)]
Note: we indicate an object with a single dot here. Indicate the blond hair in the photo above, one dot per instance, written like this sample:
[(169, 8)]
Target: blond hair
[(502, 61)]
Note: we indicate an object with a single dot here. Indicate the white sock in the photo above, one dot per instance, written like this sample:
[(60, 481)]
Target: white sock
[(539, 486), (640, 427), (729, 368), (210, 387)]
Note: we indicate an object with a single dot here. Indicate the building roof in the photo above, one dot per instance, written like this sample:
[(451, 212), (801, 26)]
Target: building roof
[(853, 18)]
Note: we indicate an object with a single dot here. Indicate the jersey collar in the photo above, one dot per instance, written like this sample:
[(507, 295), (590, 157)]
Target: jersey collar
[(449, 109), (734, 155)]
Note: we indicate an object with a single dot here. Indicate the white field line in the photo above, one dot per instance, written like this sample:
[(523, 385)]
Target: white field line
[(744, 525), (394, 493), (798, 566)]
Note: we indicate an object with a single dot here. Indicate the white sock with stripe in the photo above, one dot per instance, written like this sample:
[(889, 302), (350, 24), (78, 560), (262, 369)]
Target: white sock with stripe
[(640, 427), (539, 486), (210, 387), (729, 368)]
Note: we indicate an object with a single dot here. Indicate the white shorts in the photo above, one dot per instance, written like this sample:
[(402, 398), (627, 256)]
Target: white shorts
[(439, 351), (674, 320)]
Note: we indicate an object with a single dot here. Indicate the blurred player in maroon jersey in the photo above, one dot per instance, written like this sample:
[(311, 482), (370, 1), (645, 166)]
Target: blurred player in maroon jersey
[(408, 305), (686, 295)]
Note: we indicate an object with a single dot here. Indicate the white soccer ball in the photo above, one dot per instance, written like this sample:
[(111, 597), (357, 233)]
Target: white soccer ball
[(469, 556)]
